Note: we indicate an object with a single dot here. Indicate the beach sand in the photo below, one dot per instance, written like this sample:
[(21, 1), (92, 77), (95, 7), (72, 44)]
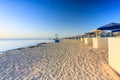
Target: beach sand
[(67, 60)]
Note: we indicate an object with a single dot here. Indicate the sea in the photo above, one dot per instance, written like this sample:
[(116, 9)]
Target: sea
[(14, 43)]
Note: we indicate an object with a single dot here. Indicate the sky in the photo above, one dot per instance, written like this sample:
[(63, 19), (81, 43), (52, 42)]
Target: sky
[(44, 18)]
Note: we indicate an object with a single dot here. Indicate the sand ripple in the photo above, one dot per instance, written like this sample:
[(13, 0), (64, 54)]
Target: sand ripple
[(68, 60)]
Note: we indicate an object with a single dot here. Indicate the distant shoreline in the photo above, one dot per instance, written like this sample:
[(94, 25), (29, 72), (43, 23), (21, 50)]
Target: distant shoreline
[(31, 46), (13, 44), (23, 38)]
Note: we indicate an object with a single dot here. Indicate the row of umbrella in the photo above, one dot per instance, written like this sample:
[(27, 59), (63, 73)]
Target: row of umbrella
[(113, 27)]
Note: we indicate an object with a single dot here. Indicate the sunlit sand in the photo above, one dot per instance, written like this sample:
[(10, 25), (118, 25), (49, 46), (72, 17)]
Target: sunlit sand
[(67, 60)]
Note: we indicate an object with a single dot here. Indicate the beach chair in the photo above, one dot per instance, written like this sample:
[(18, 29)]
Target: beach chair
[(57, 40)]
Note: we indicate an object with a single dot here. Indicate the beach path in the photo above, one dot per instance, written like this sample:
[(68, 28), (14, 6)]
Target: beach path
[(67, 60)]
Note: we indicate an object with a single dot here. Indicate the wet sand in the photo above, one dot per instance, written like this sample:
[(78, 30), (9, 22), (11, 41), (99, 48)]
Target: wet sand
[(67, 60)]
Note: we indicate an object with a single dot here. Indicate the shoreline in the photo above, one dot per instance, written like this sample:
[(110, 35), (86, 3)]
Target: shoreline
[(11, 44), (69, 59), (31, 46)]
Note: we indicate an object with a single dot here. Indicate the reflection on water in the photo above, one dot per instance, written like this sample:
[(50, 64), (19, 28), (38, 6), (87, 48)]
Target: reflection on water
[(8, 44)]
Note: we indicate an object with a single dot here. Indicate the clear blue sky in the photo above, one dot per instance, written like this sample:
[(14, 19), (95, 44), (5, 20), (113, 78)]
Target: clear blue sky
[(44, 18)]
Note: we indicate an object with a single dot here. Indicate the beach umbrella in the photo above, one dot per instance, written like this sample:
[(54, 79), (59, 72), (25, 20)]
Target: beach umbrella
[(56, 36), (116, 30), (89, 34), (110, 26), (84, 35), (96, 32)]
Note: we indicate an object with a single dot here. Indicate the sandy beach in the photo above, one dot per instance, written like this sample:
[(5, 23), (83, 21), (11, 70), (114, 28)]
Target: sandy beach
[(67, 60)]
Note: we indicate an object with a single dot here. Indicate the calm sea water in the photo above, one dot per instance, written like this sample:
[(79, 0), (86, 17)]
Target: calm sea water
[(8, 44)]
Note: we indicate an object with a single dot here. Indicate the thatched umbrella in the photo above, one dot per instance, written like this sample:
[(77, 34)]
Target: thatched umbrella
[(89, 34), (96, 32)]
